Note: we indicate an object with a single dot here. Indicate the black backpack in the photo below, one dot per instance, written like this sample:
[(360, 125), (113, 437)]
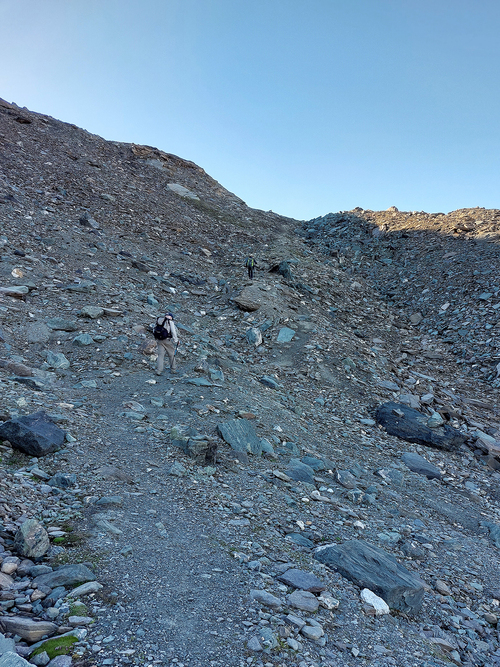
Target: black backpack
[(159, 332)]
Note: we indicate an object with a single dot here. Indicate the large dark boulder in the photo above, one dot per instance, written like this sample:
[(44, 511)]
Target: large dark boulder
[(411, 425), (35, 435), (370, 567)]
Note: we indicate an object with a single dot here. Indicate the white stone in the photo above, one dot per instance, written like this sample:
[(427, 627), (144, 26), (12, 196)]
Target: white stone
[(379, 606), (328, 601)]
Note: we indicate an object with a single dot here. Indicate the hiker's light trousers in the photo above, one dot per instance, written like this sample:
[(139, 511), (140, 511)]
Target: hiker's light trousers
[(167, 346)]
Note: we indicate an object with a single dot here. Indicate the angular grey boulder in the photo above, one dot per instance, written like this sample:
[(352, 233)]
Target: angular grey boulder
[(61, 324), (300, 472), (370, 567), (31, 540), (35, 435), (270, 382), (57, 360), (411, 425), (6, 581), (83, 339), (285, 335), (301, 540), (421, 466), (202, 451), (304, 601), (66, 575), (62, 481), (241, 435), (61, 661), (254, 336)]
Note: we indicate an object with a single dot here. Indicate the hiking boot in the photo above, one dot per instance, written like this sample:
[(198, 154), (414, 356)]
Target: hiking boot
[(158, 373)]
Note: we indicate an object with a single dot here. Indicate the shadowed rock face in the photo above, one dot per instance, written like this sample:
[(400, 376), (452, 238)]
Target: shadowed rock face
[(411, 425)]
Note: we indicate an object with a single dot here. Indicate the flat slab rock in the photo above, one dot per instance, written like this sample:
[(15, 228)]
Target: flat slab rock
[(27, 628), (421, 466), (241, 435), (411, 425), (304, 601), (372, 568), (303, 580), (35, 435), (6, 644)]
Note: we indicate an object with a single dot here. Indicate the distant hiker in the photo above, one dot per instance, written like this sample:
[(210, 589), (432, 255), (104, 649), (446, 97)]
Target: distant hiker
[(250, 264), (167, 341)]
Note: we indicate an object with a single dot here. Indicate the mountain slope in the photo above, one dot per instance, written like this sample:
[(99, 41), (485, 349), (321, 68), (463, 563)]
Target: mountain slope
[(107, 235)]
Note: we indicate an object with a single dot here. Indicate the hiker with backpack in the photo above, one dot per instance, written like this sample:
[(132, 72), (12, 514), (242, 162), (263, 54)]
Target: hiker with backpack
[(167, 340), (250, 264)]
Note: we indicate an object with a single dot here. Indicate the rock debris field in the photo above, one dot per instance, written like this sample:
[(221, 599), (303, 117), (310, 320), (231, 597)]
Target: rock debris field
[(317, 485)]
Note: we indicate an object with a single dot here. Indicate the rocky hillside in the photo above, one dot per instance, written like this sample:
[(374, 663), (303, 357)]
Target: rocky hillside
[(233, 512), (439, 271)]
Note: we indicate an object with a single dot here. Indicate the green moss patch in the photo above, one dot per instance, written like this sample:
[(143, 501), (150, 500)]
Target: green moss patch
[(56, 646), (78, 609)]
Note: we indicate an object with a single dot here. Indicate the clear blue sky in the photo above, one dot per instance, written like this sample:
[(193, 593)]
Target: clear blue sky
[(299, 106)]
